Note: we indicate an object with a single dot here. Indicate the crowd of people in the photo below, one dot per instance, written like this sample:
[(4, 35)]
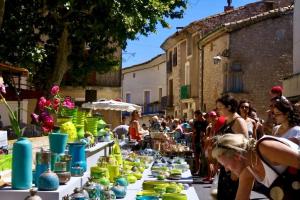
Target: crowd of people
[(234, 143)]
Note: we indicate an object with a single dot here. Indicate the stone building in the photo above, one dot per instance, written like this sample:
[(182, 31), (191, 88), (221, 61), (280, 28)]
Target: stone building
[(246, 58), (185, 85), (145, 84), (291, 86)]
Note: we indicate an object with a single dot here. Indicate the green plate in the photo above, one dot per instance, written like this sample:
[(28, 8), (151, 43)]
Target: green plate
[(174, 196)]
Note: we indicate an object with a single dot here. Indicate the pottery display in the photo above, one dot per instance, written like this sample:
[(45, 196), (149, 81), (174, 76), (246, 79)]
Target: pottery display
[(33, 195), (120, 191), (78, 195), (63, 177), (58, 142), (43, 159), (60, 167), (77, 171), (122, 181), (94, 191), (68, 160), (77, 151), (48, 181), (22, 164)]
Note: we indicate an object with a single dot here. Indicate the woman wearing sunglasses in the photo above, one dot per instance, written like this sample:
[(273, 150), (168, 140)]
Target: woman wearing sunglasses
[(272, 161), (244, 111)]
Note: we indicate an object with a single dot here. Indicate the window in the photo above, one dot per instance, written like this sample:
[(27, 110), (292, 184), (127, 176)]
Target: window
[(128, 97), (175, 57), (187, 73), (234, 78), (146, 101), (170, 58)]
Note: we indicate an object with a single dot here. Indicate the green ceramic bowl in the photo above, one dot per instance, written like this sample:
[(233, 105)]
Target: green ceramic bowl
[(174, 196), (147, 193)]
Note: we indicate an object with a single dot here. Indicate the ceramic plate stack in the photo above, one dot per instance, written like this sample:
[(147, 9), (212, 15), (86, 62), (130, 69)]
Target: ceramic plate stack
[(91, 125), (73, 113), (80, 117)]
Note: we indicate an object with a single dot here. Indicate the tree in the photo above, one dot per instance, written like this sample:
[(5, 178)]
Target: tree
[(51, 37)]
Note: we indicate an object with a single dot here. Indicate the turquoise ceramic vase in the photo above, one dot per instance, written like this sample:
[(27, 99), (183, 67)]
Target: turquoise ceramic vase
[(48, 181), (22, 164), (58, 142), (77, 151)]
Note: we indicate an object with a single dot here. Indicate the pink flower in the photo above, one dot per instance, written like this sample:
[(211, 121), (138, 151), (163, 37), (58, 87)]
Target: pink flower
[(35, 117), (55, 90), (2, 88), (42, 103), (68, 103)]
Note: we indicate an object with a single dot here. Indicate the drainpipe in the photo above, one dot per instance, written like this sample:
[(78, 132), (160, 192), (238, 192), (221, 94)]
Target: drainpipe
[(201, 48)]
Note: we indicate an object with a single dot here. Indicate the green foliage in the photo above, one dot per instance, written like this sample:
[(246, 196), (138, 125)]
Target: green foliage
[(31, 30)]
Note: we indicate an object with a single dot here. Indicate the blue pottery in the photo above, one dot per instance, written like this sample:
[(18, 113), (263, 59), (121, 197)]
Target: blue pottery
[(58, 142), (78, 195), (48, 181), (77, 171), (122, 181), (22, 164), (120, 191), (147, 198), (77, 151)]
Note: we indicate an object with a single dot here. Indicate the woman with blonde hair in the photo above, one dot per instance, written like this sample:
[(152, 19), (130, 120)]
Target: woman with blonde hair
[(227, 106), (272, 161)]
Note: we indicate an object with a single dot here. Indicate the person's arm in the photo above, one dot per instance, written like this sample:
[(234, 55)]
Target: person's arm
[(240, 126), (279, 153), (246, 181), (137, 127)]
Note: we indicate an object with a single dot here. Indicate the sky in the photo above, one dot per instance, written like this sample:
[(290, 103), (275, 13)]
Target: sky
[(145, 48)]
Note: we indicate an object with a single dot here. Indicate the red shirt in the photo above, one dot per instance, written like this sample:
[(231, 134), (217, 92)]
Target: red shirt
[(220, 122)]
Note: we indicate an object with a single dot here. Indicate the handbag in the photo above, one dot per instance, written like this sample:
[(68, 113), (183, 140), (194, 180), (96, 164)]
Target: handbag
[(287, 185)]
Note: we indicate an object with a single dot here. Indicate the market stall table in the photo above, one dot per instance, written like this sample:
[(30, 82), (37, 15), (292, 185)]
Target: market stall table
[(92, 154)]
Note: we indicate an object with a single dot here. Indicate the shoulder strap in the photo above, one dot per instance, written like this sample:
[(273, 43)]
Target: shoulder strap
[(261, 156)]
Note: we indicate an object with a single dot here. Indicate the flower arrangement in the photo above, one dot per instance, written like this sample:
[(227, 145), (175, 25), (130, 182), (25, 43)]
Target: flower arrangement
[(12, 114), (55, 105)]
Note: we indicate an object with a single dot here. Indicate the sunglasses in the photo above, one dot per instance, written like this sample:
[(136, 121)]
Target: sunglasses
[(244, 107)]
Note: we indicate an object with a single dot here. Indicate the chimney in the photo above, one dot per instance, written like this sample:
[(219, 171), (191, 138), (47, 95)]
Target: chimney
[(228, 7)]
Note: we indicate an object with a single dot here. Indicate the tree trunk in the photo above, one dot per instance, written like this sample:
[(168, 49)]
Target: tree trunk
[(2, 7), (61, 63)]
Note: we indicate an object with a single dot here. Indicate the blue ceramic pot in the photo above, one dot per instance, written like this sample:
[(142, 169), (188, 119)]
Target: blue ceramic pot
[(48, 181), (22, 164), (58, 142), (122, 181), (120, 191), (77, 151)]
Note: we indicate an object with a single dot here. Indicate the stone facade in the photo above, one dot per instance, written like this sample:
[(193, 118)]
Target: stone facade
[(261, 54), (189, 37)]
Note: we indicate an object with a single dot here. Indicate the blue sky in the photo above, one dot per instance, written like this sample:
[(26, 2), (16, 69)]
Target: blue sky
[(145, 48)]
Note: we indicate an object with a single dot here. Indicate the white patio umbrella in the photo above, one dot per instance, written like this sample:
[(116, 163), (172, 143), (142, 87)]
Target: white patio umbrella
[(112, 105)]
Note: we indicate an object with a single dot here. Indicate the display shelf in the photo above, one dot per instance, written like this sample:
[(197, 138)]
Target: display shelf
[(93, 154)]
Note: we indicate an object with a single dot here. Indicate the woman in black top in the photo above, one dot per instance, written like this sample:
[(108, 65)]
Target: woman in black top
[(228, 183)]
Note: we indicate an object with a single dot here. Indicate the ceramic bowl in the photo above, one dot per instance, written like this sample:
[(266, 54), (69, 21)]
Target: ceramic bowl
[(147, 193), (147, 198), (174, 196)]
